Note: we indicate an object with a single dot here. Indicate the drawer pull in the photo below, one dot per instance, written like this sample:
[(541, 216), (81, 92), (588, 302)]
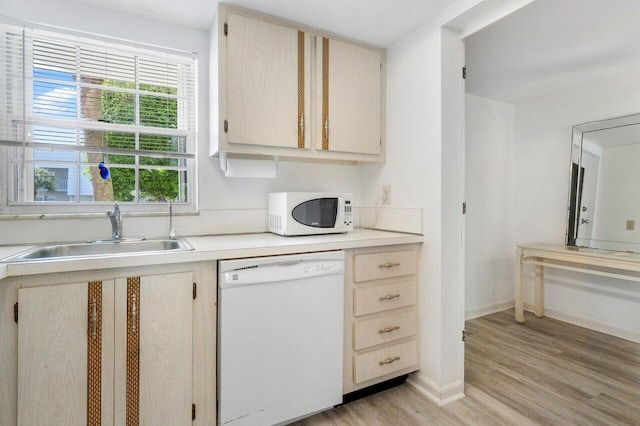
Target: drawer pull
[(390, 296), (389, 360), (389, 265), (389, 329)]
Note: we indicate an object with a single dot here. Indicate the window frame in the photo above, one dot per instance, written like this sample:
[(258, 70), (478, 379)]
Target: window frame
[(12, 207)]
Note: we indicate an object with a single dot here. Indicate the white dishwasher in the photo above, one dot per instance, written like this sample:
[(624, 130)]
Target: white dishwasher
[(280, 331)]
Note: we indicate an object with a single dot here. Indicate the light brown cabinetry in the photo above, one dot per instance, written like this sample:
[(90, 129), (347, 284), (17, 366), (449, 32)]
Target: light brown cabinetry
[(53, 340), (281, 89), (349, 104), (381, 315), (120, 348), (267, 82), (111, 349)]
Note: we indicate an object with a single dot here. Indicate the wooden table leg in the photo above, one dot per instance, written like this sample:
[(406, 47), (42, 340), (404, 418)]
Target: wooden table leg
[(539, 292), (518, 288)]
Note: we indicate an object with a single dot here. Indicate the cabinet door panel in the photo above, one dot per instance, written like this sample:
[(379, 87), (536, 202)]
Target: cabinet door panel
[(55, 357), (354, 99), (166, 303), (262, 83), (52, 355)]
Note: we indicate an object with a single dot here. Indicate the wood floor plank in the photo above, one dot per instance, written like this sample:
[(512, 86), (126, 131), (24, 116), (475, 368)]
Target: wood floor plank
[(544, 371)]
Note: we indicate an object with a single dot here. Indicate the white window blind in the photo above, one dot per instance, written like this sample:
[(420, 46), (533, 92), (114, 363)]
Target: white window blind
[(68, 103)]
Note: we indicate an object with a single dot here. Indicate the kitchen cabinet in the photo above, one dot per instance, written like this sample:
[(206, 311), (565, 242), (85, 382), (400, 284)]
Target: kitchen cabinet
[(52, 355), (267, 83), (381, 315), (279, 89), (349, 107), (114, 348), (140, 331)]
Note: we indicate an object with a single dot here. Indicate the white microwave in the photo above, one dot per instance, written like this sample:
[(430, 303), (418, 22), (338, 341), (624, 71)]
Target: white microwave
[(310, 213)]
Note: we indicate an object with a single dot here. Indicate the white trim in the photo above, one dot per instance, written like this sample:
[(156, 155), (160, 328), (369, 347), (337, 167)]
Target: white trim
[(589, 323), (484, 14), (491, 308), (441, 395)]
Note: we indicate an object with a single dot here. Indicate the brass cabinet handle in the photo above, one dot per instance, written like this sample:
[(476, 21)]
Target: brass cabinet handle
[(301, 125), (93, 319), (389, 360), (326, 129), (134, 313), (390, 296), (389, 265), (389, 329)]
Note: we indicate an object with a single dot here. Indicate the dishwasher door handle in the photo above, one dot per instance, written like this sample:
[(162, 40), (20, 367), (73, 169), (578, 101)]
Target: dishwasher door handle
[(289, 262)]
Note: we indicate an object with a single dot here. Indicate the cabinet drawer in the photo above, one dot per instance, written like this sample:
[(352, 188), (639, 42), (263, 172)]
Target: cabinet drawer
[(379, 298), (383, 329), (384, 361), (374, 266)]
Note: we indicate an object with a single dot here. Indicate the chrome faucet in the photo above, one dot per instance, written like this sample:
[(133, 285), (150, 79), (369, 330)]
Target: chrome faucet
[(116, 222)]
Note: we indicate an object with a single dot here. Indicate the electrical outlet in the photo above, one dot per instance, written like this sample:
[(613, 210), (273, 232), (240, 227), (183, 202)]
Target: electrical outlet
[(631, 225), (386, 195)]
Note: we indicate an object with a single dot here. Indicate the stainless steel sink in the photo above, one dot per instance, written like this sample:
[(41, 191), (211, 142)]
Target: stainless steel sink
[(100, 248)]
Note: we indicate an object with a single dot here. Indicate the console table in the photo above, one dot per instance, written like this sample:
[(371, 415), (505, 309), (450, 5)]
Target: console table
[(607, 263)]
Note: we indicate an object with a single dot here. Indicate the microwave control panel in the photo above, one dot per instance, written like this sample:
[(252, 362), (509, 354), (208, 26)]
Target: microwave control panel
[(347, 212)]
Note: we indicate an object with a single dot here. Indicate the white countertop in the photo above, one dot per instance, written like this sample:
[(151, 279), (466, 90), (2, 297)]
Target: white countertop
[(206, 248)]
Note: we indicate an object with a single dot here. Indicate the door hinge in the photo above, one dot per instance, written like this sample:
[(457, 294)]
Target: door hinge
[(464, 72), (15, 312), (464, 336), (226, 126), (226, 29), (193, 412), (464, 207), (195, 290)]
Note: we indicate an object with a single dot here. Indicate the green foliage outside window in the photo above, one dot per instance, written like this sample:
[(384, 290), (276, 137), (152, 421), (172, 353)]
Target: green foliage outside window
[(43, 179), (155, 111)]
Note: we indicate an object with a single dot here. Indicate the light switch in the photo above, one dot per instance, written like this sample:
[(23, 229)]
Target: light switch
[(631, 225)]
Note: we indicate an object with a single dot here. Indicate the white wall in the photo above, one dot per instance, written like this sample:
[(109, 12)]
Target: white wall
[(227, 205), (542, 153), (425, 168), (619, 190), (413, 167), (517, 181), (490, 196)]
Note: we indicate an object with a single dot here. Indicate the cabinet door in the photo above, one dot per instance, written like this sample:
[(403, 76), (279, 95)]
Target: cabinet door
[(351, 97), (65, 373), (154, 357), (267, 93)]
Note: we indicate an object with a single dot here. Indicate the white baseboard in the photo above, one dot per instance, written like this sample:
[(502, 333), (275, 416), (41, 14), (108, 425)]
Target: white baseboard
[(589, 323), (441, 395), (488, 309)]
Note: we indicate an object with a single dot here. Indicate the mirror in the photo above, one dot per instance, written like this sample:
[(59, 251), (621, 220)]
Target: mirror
[(604, 192)]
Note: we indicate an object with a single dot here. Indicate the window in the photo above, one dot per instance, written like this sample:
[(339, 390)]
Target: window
[(87, 121)]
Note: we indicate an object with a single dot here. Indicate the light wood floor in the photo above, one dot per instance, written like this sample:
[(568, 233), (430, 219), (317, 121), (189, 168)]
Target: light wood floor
[(542, 372)]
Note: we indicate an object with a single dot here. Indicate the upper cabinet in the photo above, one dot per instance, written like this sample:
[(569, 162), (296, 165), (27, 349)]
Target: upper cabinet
[(267, 83), (349, 102), (280, 89)]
